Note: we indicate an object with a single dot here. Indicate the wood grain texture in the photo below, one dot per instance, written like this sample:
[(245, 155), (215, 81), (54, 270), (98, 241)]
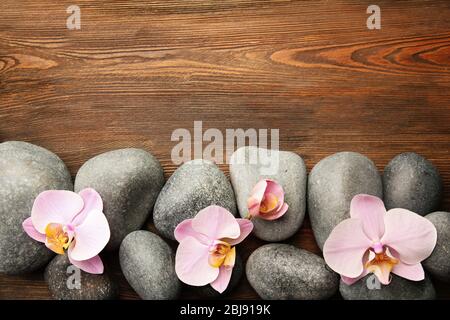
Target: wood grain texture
[(137, 70)]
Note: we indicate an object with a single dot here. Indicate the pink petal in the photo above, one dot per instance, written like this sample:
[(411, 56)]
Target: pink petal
[(93, 265), (345, 248), (277, 214), (222, 281), (91, 236), (55, 206), (191, 263), (216, 223), (256, 196), (184, 229), (413, 237), (253, 206), (30, 230), (258, 190), (349, 281), (276, 189), (92, 201), (246, 227), (371, 211), (412, 272)]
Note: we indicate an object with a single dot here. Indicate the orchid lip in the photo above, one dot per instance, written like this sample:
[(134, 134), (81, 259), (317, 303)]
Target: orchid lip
[(221, 253)]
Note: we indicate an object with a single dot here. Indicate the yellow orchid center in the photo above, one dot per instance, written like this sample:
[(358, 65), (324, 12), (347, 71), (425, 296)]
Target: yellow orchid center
[(269, 203), (58, 238), (222, 254), (381, 265)]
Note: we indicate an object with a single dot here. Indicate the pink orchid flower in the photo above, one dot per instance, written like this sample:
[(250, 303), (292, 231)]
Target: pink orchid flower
[(379, 242), (67, 221), (206, 253), (267, 200)]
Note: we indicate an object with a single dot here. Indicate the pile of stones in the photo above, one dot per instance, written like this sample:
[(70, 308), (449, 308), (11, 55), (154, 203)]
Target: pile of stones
[(132, 185)]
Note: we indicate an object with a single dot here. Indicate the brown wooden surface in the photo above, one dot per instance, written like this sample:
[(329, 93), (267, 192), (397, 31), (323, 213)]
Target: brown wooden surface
[(137, 70)]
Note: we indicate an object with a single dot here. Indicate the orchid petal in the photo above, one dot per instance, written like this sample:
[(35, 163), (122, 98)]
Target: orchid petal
[(216, 223), (276, 189), (349, 281), (184, 230), (413, 237), (259, 189), (246, 227), (222, 281), (191, 263), (345, 248), (93, 265), (91, 236), (413, 272), (256, 196), (55, 206), (371, 211), (253, 205), (92, 201), (30, 230)]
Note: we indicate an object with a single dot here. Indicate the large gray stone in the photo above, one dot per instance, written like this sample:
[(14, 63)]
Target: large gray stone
[(398, 289), (148, 264), (128, 181), (438, 264), (25, 171), (64, 284), (281, 271), (290, 173), (412, 182), (332, 184), (194, 186)]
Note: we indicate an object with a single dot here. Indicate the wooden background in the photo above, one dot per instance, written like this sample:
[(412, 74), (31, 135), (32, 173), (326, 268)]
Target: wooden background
[(137, 70)]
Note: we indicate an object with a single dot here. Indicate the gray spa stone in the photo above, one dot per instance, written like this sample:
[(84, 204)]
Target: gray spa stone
[(398, 289), (332, 184), (290, 173), (438, 264), (25, 171), (194, 186), (209, 293), (64, 284), (128, 181), (148, 264), (281, 271), (412, 182)]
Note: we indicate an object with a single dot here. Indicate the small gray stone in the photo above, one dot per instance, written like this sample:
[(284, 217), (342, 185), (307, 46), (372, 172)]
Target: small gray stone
[(438, 264), (332, 184), (209, 293), (148, 264), (412, 182), (194, 186), (63, 284), (128, 180), (281, 271), (25, 171), (290, 173), (398, 289)]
